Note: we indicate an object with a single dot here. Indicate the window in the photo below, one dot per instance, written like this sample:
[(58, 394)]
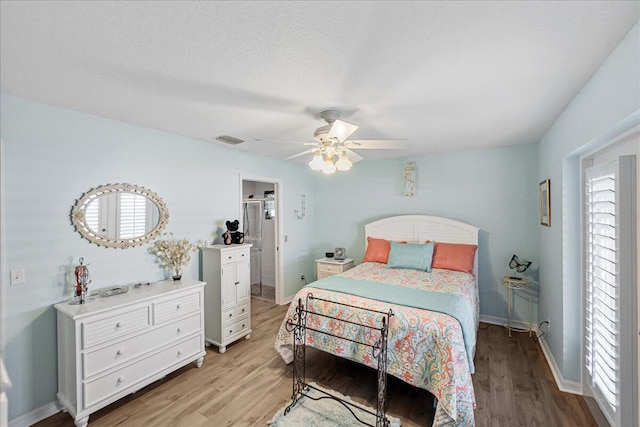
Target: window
[(602, 296), (609, 251)]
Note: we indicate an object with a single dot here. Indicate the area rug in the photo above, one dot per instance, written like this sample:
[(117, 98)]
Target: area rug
[(324, 413)]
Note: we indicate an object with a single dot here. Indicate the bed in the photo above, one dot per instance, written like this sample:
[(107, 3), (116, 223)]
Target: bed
[(429, 346)]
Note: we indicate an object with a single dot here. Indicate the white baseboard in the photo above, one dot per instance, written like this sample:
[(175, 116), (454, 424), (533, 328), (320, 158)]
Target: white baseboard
[(35, 416), (501, 321), (288, 300), (567, 386)]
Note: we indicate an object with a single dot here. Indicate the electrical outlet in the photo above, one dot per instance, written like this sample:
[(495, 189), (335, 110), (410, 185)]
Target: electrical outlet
[(302, 277), (17, 277)]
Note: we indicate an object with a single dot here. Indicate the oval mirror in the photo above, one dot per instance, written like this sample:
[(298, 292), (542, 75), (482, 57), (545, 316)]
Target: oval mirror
[(119, 215)]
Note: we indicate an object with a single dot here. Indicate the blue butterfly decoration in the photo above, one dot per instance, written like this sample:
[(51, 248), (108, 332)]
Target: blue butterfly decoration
[(518, 264)]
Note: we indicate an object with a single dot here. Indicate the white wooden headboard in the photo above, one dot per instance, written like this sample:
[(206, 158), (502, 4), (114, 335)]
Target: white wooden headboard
[(420, 228)]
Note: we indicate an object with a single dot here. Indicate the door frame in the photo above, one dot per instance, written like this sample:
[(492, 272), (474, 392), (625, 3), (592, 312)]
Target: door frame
[(278, 189)]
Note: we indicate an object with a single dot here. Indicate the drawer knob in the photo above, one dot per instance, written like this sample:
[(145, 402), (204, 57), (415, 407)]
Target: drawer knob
[(120, 380), (179, 352), (179, 330), (229, 257), (178, 307), (230, 331), (230, 314), (237, 283), (118, 325), (242, 254), (119, 353), (243, 325)]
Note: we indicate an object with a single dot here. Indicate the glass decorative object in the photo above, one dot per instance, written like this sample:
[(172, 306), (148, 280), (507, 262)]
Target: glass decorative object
[(410, 180)]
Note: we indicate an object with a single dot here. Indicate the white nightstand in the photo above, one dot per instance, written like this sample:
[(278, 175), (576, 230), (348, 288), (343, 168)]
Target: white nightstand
[(329, 266), (514, 284)]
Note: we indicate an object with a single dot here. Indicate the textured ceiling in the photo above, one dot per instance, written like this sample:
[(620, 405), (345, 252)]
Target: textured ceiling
[(444, 75)]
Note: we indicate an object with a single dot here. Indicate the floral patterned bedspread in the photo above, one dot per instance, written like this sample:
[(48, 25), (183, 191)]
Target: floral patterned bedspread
[(425, 348)]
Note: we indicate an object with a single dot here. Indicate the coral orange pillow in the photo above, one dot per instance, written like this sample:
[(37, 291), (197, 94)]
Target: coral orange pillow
[(377, 250), (454, 256)]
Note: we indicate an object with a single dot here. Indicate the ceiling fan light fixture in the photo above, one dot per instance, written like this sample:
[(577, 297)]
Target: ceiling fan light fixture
[(343, 163), (317, 163), (328, 167)]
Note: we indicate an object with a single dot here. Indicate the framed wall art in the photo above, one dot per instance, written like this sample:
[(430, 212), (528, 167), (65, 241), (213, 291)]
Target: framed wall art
[(545, 203)]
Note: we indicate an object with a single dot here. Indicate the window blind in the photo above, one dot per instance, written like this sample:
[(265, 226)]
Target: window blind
[(602, 358), (92, 215), (132, 215)]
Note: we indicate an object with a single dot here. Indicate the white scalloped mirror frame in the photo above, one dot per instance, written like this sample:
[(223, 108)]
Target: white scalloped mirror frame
[(79, 217)]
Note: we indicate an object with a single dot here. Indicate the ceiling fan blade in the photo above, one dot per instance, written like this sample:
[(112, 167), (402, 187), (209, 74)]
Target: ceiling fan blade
[(352, 155), (377, 144), (311, 150), (341, 130)]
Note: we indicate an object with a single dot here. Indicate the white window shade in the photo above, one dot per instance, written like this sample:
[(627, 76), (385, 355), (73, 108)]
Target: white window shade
[(602, 296), (609, 241), (132, 215)]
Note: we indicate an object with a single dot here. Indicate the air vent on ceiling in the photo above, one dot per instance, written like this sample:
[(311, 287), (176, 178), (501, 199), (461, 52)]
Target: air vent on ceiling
[(229, 140)]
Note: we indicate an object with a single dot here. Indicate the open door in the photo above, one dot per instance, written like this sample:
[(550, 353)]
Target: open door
[(261, 221)]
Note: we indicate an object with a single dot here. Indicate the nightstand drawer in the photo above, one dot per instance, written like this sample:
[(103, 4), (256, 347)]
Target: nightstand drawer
[(329, 268), (118, 325)]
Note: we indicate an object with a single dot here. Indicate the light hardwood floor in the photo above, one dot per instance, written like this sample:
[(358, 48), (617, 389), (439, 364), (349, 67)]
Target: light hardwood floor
[(246, 385)]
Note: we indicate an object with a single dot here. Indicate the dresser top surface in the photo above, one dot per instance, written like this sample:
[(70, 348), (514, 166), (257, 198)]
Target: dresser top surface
[(227, 247), (98, 304)]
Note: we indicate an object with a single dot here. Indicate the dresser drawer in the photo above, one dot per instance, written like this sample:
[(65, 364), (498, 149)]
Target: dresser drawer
[(236, 328), (242, 310), (94, 362), (234, 256), (229, 316), (170, 309), (103, 330), (234, 314), (126, 378)]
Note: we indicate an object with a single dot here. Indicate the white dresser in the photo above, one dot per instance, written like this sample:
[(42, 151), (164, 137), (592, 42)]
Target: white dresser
[(114, 346), (227, 306)]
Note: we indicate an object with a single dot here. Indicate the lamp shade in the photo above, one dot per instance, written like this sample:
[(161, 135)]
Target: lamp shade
[(328, 167), (316, 163), (343, 163)]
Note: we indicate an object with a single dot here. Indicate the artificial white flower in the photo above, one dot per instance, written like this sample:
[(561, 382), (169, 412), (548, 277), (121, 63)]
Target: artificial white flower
[(172, 253)]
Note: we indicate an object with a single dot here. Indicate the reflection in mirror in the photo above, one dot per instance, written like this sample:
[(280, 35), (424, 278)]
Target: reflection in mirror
[(120, 215)]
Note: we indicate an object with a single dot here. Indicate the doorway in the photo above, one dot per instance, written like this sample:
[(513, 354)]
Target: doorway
[(261, 219)]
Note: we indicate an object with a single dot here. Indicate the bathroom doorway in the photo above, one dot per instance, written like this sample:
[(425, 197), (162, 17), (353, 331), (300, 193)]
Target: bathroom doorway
[(261, 216)]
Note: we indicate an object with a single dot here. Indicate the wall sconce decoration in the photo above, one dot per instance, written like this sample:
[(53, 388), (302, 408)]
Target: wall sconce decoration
[(300, 214), (410, 180)]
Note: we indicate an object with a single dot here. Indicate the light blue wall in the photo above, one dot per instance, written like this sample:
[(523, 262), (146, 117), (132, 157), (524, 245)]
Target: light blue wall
[(53, 155), (494, 190), (605, 102)]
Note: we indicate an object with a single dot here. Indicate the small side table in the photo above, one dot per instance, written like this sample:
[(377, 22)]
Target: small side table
[(329, 266), (515, 284)]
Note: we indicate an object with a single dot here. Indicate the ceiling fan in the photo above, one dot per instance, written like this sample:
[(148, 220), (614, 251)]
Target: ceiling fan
[(333, 150)]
